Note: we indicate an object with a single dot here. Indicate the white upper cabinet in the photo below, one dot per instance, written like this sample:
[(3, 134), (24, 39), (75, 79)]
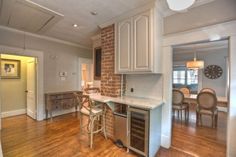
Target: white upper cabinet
[(141, 39), (137, 44), (124, 47)]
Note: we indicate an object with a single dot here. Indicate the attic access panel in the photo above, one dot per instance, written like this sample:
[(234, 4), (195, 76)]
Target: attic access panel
[(27, 16)]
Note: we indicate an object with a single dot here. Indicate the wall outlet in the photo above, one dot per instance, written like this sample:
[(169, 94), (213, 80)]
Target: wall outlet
[(131, 90)]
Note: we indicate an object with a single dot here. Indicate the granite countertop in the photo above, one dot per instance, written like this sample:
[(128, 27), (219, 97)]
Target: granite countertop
[(139, 102)]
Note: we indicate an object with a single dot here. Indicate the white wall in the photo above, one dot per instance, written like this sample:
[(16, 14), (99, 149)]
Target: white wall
[(54, 57), (210, 57), (212, 13), (58, 57), (13, 90), (144, 85)]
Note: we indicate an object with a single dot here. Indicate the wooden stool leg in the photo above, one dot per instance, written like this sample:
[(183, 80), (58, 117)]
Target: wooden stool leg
[(104, 125), (81, 122), (91, 132)]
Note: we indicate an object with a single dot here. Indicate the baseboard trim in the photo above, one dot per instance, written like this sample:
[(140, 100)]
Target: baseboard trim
[(13, 113), (31, 114), (165, 141)]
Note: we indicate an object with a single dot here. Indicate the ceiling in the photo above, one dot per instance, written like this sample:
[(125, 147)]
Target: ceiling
[(200, 47), (55, 18)]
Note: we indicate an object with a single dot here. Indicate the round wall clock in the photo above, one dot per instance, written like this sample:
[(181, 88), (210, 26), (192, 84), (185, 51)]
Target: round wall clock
[(213, 71)]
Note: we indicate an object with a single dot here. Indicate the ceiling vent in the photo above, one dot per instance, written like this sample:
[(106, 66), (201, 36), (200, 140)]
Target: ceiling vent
[(27, 16)]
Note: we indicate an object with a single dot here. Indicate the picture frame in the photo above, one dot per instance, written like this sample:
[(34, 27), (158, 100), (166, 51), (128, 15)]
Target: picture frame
[(97, 63), (10, 69)]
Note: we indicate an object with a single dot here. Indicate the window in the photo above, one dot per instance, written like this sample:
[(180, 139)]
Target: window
[(179, 77), (192, 77), (183, 77)]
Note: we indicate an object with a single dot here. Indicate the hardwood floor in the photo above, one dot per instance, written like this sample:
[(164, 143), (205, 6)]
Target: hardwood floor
[(201, 141), (23, 137)]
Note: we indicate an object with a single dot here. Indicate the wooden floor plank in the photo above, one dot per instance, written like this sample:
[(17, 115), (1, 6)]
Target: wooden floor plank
[(23, 137)]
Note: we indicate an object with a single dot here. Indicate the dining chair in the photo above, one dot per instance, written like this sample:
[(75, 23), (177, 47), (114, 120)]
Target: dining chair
[(96, 116), (207, 102), (178, 104), (208, 90), (185, 90), (92, 90)]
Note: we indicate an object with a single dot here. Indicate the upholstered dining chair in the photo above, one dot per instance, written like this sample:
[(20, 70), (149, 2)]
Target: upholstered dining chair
[(185, 90), (92, 90), (207, 102), (208, 90), (179, 105), (96, 116)]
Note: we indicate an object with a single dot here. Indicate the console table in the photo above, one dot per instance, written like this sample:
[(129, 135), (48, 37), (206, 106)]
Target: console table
[(59, 100)]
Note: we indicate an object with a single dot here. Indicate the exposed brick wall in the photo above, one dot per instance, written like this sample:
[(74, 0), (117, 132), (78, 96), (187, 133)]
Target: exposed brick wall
[(110, 82)]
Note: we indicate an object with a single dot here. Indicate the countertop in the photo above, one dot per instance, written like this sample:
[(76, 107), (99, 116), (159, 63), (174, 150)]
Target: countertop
[(139, 102)]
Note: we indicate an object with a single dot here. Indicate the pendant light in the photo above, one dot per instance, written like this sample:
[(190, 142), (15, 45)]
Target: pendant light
[(179, 5), (195, 64)]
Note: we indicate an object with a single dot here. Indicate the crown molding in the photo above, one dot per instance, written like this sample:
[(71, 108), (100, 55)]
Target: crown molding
[(127, 14), (45, 37), (96, 37)]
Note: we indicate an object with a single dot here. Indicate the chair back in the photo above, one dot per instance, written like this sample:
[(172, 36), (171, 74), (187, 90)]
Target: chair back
[(208, 90), (92, 90), (177, 97), (207, 100), (83, 101), (185, 90)]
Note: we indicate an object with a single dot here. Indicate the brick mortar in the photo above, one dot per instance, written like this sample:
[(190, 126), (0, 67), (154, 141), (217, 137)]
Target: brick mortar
[(110, 82)]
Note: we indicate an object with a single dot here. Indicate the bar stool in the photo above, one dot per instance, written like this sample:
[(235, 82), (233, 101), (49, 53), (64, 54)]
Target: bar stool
[(96, 116)]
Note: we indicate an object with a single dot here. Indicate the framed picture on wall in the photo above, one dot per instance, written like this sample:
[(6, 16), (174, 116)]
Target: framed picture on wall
[(10, 69), (97, 63)]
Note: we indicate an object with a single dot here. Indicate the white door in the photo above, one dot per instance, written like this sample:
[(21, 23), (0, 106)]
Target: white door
[(31, 88), (85, 72), (142, 40), (124, 46)]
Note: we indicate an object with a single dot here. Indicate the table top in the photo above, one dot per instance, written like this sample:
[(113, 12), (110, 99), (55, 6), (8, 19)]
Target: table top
[(194, 97), (144, 103)]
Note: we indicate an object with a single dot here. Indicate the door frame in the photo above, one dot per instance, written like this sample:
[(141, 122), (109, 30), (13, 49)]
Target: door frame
[(40, 107), (83, 60), (225, 31)]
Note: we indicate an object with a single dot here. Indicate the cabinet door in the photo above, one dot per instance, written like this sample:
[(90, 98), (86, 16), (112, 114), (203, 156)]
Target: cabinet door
[(142, 42), (124, 46)]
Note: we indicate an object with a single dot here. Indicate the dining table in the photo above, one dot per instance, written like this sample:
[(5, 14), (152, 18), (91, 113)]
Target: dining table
[(221, 100)]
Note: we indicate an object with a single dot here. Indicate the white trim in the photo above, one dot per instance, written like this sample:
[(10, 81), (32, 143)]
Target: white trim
[(96, 37), (165, 141), (45, 37), (31, 113), (13, 113), (128, 14), (225, 30), (40, 74)]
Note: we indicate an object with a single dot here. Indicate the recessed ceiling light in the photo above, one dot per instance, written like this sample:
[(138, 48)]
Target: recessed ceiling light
[(93, 13), (75, 25)]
